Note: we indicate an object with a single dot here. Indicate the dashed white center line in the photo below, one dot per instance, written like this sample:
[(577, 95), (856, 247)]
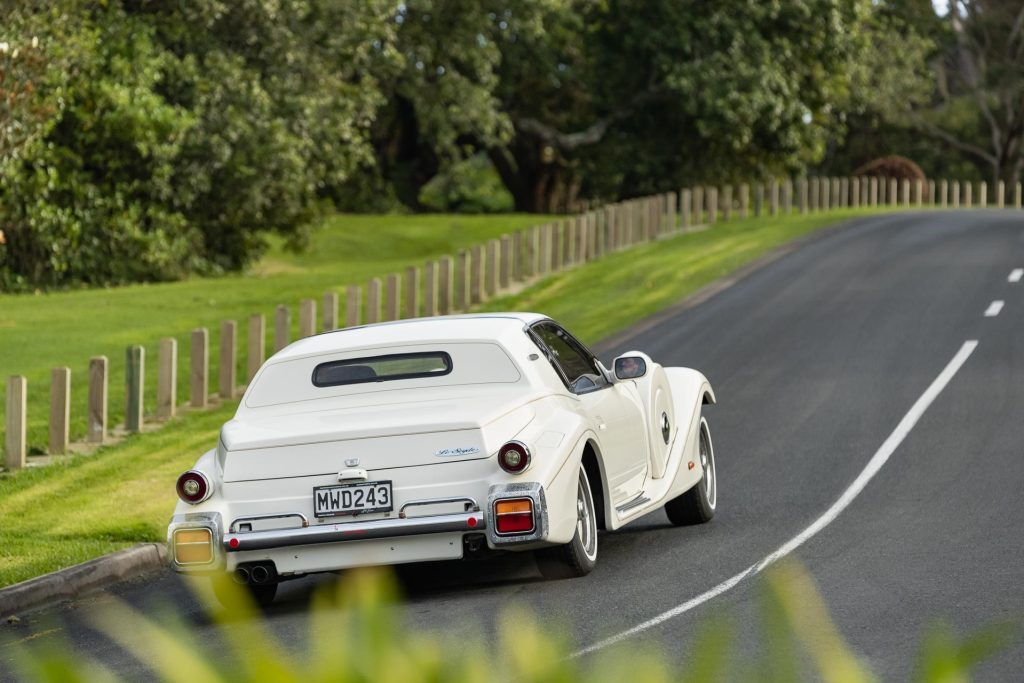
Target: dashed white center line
[(1015, 275), (993, 309), (875, 464)]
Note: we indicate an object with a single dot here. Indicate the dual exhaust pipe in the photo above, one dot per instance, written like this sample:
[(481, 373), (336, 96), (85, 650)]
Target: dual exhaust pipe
[(257, 574)]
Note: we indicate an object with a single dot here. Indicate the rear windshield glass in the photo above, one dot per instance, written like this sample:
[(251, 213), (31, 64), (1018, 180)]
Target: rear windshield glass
[(382, 368)]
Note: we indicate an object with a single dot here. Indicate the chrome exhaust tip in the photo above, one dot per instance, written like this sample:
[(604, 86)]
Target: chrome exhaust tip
[(241, 576), (260, 574)]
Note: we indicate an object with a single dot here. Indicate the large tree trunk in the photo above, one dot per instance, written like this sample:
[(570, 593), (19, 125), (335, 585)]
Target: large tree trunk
[(406, 160), (534, 174)]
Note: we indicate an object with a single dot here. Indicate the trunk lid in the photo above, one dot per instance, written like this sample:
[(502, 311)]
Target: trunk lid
[(433, 427)]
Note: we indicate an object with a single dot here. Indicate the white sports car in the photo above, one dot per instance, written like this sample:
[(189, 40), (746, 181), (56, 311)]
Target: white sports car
[(431, 438)]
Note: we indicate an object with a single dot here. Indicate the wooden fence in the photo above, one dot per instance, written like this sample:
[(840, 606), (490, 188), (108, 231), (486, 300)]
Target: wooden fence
[(457, 283)]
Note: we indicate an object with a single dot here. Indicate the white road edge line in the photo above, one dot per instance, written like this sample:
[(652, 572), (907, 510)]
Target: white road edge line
[(1015, 275), (993, 309), (879, 459)]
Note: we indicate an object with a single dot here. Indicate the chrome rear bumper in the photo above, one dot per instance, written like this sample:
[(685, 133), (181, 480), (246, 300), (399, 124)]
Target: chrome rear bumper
[(354, 531)]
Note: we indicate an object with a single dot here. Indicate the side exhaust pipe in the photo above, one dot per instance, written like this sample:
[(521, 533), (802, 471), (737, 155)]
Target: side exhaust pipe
[(241, 576)]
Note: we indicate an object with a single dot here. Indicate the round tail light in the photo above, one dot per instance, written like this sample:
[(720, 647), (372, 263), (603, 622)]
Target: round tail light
[(514, 457), (194, 487)]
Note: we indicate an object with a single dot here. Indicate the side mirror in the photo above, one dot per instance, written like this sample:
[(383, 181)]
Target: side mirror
[(630, 367)]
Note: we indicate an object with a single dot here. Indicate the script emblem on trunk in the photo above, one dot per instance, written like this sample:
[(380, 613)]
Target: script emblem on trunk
[(457, 451), (352, 462)]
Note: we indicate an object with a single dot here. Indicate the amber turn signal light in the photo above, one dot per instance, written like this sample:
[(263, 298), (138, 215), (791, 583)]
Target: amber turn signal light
[(193, 546)]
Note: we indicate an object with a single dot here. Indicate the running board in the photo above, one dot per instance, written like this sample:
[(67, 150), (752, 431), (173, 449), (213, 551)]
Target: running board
[(636, 502)]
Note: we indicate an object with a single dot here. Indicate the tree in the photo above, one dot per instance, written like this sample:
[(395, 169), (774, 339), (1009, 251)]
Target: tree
[(626, 88), (978, 106)]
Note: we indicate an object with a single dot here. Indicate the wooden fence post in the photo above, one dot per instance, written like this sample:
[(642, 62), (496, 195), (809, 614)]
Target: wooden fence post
[(515, 273), (491, 274), (712, 205), (931, 193), (282, 327), (672, 202), (1017, 196), (199, 368), (787, 196), (686, 210), (307, 318), (353, 305), (918, 192), (392, 295), (873, 182), (460, 287), (773, 197), (60, 410), (825, 201), (744, 200), (727, 203), (504, 261), (167, 379), (944, 193), (412, 292), (854, 192), (956, 194), (968, 190), (536, 235), (1000, 194), (98, 389), (430, 289), (476, 275), (134, 375), (15, 440), (758, 200), (373, 288), (330, 311), (228, 360), (698, 205), (982, 194), (844, 192), (258, 344)]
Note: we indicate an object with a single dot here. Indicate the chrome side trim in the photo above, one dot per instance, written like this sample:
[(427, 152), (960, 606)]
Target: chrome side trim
[(532, 490), (469, 502), (256, 518), (355, 531), (636, 502)]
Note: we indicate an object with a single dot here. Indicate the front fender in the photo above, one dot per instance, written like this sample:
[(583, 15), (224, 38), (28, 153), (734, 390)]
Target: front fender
[(691, 390)]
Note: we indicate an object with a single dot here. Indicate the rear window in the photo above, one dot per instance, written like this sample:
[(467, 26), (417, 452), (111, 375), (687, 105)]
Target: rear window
[(382, 368)]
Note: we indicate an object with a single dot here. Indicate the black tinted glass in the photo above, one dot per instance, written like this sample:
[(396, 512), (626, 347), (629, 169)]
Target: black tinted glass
[(382, 368)]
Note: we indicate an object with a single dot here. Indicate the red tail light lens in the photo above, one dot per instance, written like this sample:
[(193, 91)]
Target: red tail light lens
[(514, 457), (194, 487), (513, 516)]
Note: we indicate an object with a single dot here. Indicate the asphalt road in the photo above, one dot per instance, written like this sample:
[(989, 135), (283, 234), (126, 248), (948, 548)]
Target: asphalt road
[(816, 358)]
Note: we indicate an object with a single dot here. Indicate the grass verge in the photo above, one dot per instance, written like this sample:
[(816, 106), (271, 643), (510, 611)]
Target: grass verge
[(64, 514), (47, 330)]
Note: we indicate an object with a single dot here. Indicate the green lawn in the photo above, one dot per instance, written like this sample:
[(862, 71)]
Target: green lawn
[(57, 516), (43, 331)]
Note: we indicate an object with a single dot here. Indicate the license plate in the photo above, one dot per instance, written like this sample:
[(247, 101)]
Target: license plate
[(352, 499)]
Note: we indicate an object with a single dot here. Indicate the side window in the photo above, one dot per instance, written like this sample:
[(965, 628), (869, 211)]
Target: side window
[(575, 364)]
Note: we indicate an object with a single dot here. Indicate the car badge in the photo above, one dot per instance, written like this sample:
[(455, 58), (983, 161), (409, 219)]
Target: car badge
[(457, 451), (352, 462), (666, 430)]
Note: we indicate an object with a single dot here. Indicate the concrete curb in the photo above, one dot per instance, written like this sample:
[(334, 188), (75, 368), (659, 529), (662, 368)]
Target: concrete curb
[(73, 581)]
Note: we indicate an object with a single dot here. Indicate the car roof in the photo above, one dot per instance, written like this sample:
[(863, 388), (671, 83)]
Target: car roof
[(477, 326)]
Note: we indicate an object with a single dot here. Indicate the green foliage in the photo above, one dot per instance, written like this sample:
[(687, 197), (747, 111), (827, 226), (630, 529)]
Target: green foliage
[(174, 137), (355, 635), (470, 186)]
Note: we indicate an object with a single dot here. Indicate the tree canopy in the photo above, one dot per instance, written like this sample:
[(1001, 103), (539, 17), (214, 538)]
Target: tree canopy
[(148, 140)]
